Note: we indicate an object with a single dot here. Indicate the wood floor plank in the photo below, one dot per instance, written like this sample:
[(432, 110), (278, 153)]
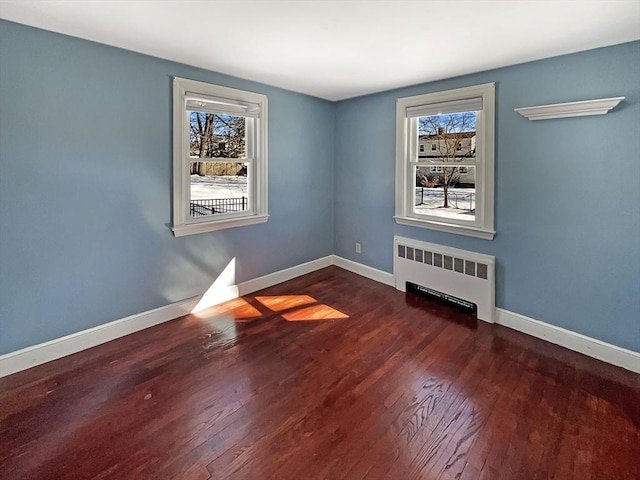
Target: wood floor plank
[(328, 376)]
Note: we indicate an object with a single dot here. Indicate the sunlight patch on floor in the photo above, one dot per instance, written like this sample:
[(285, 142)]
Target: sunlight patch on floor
[(223, 332), (315, 312), (298, 308), (285, 302), (237, 308)]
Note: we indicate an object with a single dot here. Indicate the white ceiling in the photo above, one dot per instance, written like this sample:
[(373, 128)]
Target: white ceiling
[(338, 49)]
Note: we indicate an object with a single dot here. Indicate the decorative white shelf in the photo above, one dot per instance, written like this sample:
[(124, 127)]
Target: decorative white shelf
[(572, 109)]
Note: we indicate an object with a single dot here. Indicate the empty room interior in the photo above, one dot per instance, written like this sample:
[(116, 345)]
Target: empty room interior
[(319, 239)]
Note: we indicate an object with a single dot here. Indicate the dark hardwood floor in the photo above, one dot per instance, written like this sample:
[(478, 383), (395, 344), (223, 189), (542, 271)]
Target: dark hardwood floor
[(328, 376)]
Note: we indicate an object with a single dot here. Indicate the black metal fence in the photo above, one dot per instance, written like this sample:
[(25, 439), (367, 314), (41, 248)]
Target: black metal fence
[(462, 200), (210, 206)]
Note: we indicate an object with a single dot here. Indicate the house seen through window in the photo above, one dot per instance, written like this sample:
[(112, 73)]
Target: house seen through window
[(451, 187), (445, 180)]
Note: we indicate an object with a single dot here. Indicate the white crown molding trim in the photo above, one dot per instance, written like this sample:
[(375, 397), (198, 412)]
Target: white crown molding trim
[(577, 342), (365, 271), (28, 357), (583, 108)]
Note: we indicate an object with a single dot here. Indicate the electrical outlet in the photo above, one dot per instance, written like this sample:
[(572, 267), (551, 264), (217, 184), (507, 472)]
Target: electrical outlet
[(357, 248)]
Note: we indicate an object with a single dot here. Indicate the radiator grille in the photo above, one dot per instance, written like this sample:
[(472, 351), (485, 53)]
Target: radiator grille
[(460, 273), (458, 265)]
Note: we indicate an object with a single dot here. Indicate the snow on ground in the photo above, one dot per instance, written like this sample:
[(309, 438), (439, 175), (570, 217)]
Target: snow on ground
[(462, 202), (222, 186)]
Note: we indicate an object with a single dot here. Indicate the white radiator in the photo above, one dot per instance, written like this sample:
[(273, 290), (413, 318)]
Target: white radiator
[(459, 273)]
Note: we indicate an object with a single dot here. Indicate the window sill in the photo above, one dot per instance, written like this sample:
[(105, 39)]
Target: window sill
[(447, 227), (193, 228)]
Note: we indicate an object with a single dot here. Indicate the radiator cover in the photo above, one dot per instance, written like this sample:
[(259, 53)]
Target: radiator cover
[(460, 273)]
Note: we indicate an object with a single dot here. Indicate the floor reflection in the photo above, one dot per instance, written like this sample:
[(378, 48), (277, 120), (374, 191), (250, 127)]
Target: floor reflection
[(443, 309)]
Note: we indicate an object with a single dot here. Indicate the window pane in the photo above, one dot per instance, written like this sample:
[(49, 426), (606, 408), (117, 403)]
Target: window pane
[(216, 135), (218, 187), (448, 192), (447, 138)]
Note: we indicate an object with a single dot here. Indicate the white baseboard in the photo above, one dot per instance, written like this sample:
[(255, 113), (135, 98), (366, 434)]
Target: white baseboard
[(365, 271), (45, 352), (61, 347), (577, 342), (280, 276)]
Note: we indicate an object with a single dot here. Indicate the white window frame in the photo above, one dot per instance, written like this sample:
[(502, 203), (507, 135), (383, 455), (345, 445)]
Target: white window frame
[(236, 102), (407, 158)]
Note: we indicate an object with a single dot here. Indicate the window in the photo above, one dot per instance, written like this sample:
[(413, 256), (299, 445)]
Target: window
[(452, 189), (219, 157), (422, 148)]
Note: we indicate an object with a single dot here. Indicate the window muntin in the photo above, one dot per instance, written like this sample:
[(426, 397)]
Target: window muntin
[(451, 189), (220, 157)]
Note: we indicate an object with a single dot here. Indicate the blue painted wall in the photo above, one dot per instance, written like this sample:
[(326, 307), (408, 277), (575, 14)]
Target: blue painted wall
[(85, 188), (567, 191)]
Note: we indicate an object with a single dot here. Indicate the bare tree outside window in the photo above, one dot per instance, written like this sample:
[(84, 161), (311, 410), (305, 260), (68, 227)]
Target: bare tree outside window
[(216, 136), (445, 160), (218, 180), (452, 141)]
